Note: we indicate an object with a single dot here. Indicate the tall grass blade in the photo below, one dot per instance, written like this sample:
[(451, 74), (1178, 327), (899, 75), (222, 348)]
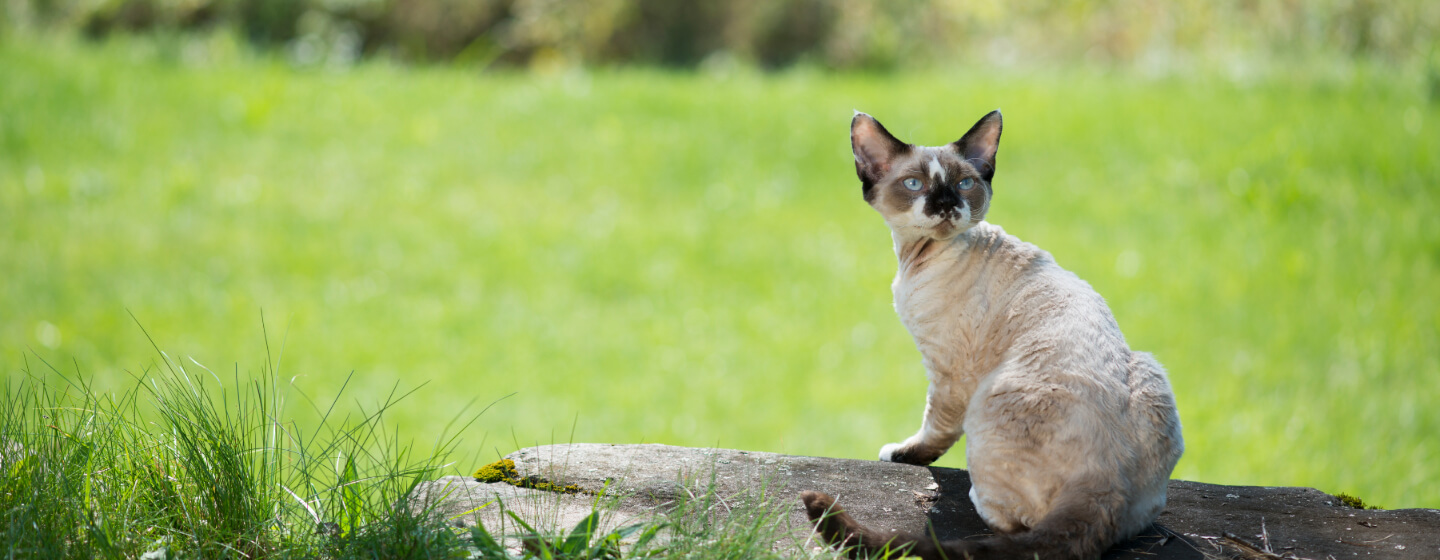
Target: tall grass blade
[(350, 497)]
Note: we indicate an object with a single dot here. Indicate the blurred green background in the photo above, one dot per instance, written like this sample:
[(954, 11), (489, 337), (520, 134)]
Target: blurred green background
[(641, 217)]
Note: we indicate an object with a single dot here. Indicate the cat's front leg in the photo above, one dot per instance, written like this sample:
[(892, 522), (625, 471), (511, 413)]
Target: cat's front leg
[(942, 427)]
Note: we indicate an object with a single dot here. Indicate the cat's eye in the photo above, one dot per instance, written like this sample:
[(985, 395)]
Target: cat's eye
[(966, 184), (913, 184)]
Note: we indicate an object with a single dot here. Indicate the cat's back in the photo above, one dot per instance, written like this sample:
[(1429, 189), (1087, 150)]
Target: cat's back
[(1059, 332), (1037, 295)]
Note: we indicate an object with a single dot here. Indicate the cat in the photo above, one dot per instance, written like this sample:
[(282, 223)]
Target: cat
[(1072, 435)]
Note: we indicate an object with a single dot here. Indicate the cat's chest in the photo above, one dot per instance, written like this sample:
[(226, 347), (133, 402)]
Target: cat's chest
[(941, 313)]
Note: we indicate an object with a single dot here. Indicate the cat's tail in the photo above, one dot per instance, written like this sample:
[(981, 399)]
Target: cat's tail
[(1079, 529)]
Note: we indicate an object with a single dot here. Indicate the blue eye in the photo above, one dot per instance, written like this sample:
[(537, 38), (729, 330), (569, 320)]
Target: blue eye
[(966, 184), (913, 184)]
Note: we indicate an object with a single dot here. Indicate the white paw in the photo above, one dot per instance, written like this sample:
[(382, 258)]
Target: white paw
[(887, 452)]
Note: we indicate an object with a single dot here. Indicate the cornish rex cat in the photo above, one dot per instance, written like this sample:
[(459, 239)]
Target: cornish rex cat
[(1072, 435)]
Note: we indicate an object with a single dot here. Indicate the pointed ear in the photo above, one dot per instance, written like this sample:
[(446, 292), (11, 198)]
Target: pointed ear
[(982, 142), (875, 150)]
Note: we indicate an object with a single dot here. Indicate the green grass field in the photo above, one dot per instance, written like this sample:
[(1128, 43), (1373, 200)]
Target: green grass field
[(643, 256)]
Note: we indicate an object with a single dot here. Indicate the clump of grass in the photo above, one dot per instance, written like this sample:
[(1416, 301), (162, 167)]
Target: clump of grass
[(584, 541), (178, 465)]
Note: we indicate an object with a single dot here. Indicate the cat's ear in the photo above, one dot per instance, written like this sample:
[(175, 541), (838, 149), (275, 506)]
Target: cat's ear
[(982, 142), (875, 150)]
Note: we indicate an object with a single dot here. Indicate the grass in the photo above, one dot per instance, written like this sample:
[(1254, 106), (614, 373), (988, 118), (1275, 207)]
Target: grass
[(180, 466), (685, 258)]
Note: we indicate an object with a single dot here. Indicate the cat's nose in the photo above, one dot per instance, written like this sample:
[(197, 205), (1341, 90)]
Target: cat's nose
[(947, 196)]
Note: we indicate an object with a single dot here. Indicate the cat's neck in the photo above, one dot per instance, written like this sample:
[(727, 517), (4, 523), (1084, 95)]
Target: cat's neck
[(916, 252)]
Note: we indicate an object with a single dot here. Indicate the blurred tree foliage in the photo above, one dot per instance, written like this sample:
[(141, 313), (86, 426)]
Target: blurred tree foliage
[(869, 34)]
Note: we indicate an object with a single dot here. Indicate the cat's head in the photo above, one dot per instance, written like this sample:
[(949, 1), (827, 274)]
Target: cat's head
[(936, 192)]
